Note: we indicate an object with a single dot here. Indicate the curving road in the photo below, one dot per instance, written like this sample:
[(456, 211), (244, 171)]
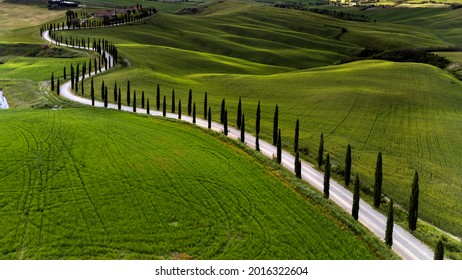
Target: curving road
[(404, 244)]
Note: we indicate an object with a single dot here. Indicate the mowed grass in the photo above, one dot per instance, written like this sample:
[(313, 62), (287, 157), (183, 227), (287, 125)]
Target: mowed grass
[(100, 184)]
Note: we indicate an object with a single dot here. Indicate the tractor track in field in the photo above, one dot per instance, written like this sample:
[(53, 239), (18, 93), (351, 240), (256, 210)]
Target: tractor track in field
[(405, 245)]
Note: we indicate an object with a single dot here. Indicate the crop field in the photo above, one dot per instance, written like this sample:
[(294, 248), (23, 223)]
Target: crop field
[(408, 111), (75, 185)]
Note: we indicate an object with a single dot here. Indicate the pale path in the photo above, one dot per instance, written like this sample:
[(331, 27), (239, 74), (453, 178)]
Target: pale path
[(404, 244), (3, 102)]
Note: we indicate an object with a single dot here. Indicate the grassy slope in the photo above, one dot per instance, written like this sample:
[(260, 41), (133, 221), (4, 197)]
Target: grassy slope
[(407, 111), (75, 184)]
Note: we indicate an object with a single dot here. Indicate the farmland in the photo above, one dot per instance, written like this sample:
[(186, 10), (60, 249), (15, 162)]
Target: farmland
[(408, 111), (74, 185)]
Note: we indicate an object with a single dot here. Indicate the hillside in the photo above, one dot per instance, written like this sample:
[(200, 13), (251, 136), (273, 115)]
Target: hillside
[(75, 185)]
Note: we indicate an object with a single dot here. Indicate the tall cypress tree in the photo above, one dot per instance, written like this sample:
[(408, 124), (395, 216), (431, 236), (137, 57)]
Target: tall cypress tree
[(64, 73), (275, 125), (257, 143), (173, 100), (414, 203), (147, 107), (158, 98), (320, 157), (119, 102), (72, 76), (327, 177), (164, 107), (105, 97), (82, 86), (378, 181), (128, 93), (77, 75), (348, 166), (210, 118), (243, 128), (142, 99), (58, 90), (225, 122), (115, 91), (134, 101), (222, 112), (439, 251), (355, 207), (205, 106), (52, 81), (257, 119), (189, 102), (297, 131), (239, 114), (194, 112), (390, 221), (279, 148), (296, 165), (179, 109), (102, 90)]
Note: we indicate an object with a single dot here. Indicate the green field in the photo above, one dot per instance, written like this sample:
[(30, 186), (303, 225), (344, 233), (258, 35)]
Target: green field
[(408, 111), (75, 185)]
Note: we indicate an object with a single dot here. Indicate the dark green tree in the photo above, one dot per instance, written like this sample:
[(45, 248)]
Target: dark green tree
[(205, 106), (355, 207), (298, 165), (134, 101), (128, 93), (439, 250), (72, 76), (52, 81), (92, 93), (105, 97), (378, 181), (348, 166), (225, 122), (327, 177), (275, 125), (257, 119), (77, 75), (102, 90), (173, 100), (210, 118), (194, 112), (257, 143), (58, 90), (390, 221), (279, 148), (82, 87), (239, 114), (189, 102), (158, 98), (414, 203), (119, 102), (297, 131), (164, 107), (142, 99), (320, 157), (179, 109), (64, 73), (115, 91), (222, 112), (243, 128)]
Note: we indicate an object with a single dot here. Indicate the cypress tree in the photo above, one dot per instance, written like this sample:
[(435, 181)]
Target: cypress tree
[(142, 99), (158, 98), (115, 91), (194, 112), (355, 207), (134, 101), (102, 90), (257, 143), (297, 131), (239, 113), (119, 102), (72, 76), (173, 100), (225, 122), (348, 166), (320, 151), (128, 93), (257, 119), (205, 106), (77, 73), (83, 88), (378, 181), (164, 107), (189, 102), (52, 81), (414, 203), (179, 109), (210, 118), (279, 148), (105, 97), (327, 177), (275, 125), (242, 129), (389, 229), (64, 73), (76, 84), (58, 90), (297, 165), (222, 112), (439, 251)]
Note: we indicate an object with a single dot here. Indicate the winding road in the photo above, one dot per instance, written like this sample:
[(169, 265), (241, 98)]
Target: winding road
[(404, 244)]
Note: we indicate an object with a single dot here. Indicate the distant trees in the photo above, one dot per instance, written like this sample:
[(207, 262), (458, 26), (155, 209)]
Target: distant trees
[(355, 207), (189, 102), (378, 181), (348, 166), (327, 177), (320, 157), (414, 203), (243, 128), (439, 251), (279, 148), (275, 125), (239, 113), (389, 229)]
